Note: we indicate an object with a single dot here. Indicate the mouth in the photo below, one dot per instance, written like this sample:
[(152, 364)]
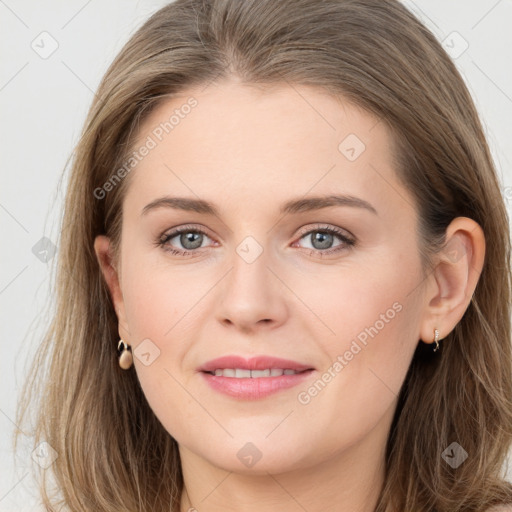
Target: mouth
[(255, 378)]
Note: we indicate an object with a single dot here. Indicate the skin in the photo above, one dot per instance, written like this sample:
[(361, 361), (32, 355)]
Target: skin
[(248, 150)]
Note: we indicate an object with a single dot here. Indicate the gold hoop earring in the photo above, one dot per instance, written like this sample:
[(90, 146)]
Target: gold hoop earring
[(436, 340), (125, 355)]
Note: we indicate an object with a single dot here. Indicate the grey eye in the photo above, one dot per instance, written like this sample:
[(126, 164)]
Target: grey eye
[(321, 240), (191, 240)]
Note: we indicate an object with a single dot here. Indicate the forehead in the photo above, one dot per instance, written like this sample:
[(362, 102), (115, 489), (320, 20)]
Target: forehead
[(239, 141), (258, 119)]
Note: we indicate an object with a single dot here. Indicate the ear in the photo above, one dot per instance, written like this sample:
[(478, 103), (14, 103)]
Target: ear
[(453, 281), (103, 250)]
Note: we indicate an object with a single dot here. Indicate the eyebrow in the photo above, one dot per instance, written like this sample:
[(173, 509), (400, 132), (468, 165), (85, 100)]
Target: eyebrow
[(301, 205)]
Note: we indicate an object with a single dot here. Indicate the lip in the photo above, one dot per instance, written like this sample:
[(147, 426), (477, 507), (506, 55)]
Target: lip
[(253, 388)]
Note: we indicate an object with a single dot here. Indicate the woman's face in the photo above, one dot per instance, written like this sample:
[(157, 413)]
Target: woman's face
[(310, 255)]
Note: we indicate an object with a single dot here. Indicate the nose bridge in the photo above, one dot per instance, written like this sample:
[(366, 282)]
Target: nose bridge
[(250, 274), (251, 293)]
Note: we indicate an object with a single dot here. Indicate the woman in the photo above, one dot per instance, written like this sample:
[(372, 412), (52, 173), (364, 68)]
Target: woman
[(284, 277)]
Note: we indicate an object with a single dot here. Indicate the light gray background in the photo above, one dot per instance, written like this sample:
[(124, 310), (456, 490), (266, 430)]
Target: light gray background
[(43, 104)]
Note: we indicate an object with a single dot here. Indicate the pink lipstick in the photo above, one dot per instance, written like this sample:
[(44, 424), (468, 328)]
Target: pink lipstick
[(254, 378)]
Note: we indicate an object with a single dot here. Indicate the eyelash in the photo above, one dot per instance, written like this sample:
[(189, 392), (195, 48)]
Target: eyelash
[(348, 243)]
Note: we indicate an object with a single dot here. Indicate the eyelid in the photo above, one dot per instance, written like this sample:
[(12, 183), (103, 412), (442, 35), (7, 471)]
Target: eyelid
[(171, 233), (327, 227)]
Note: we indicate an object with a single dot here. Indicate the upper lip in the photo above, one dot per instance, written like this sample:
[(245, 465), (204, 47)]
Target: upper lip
[(253, 363)]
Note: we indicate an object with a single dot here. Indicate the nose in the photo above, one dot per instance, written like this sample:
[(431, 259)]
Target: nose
[(252, 295)]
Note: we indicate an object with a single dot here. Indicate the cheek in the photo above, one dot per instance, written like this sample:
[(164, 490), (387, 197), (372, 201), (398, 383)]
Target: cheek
[(375, 319), (373, 315), (161, 305), (155, 299), (157, 314), (370, 301)]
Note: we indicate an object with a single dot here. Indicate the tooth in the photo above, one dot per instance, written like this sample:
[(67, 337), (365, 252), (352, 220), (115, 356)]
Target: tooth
[(242, 373), (260, 373)]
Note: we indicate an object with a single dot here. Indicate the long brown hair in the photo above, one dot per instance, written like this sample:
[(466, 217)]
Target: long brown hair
[(113, 453)]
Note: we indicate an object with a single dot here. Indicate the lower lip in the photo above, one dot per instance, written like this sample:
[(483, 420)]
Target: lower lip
[(254, 389)]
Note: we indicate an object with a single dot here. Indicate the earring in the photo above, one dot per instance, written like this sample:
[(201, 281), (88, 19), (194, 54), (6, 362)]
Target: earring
[(125, 355), (436, 340)]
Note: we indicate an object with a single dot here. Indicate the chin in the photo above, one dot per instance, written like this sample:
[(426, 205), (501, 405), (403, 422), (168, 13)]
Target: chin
[(259, 456)]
